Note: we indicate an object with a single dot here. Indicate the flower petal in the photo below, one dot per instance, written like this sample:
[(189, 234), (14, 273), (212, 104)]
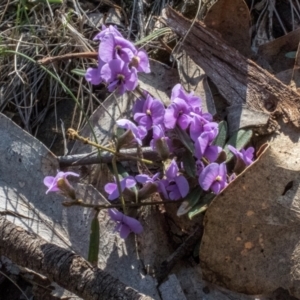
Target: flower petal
[(208, 176), (134, 225), (115, 215), (183, 185), (124, 231)]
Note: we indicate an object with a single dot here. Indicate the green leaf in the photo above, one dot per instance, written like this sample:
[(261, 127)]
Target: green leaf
[(189, 164), (238, 140), (201, 207), (220, 140), (291, 54), (184, 138), (192, 199), (94, 241), (79, 72)]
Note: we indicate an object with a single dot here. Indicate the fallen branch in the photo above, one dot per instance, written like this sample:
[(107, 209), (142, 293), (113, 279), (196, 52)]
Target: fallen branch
[(104, 157), (239, 80), (62, 266)]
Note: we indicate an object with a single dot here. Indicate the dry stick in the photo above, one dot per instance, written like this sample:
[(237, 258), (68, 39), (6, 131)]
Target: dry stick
[(48, 60), (105, 157), (239, 80), (62, 266)]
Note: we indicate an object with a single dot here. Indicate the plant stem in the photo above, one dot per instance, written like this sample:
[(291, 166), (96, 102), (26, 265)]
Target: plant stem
[(74, 135)]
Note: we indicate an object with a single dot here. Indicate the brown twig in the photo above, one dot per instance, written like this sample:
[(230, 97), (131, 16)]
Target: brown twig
[(48, 60)]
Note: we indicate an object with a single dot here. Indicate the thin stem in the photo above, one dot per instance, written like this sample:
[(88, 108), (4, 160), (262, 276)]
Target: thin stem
[(114, 164)]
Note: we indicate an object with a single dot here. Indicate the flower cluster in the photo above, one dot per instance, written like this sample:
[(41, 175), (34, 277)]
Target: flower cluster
[(166, 129), (119, 62)]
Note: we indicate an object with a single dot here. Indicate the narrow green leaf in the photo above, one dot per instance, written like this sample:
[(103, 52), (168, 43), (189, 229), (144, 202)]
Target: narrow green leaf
[(94, 241), (220, 140), (238, 140), (79, 72), (189, 164), (192, 199), (291, 54), (202, 206), (184, 138)]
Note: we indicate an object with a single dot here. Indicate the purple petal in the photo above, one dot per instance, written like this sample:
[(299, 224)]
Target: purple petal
[(157, 112), (143, 178), (212, 153), (170, 117), (182, 185), (208, 176), (216, 187), (70, 173), (172, 170), (144, 62), (184, 121), (49, 180), (201, 145), (134, 225), (115, 215), (124, 231), (110, 187), (107, 48), (93, 76), (174, 193), (138, 106), (106, 73), (129, 182)]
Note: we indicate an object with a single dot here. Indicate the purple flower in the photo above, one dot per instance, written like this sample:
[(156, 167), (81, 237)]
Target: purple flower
[(175, 184), (152, 112), (199, 124), (93, 75), (203, 147), (125, 224), (213, 177), (144, 178), (139, 132), (116, 47), (245, 155), (178, 112), (111, 188), (107, 30), (179, 92), (160, 142), (119, 76), (60, 183), (140, 61)]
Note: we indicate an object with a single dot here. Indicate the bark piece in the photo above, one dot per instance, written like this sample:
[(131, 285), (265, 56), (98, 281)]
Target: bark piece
[(231, 18), (64, 267), (238, 79)]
